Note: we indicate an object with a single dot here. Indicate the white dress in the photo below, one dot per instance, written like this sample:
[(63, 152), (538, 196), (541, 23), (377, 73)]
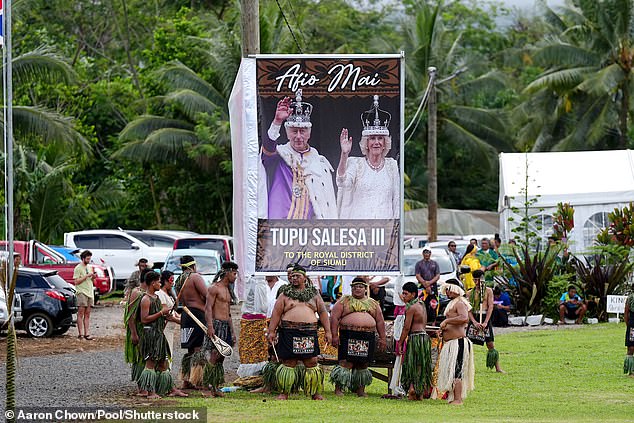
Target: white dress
[(365, 193)]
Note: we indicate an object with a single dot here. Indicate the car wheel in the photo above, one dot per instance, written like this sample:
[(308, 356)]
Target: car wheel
[(61, 330), (39, 325)]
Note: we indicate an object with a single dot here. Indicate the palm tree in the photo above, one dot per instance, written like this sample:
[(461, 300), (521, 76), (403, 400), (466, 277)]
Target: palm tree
[(48, 149), (190, 124), (582, 100), (463, 122)]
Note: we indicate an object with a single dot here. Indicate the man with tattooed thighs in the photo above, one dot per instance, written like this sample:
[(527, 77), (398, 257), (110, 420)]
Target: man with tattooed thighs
[(293, 332), (354, 323)]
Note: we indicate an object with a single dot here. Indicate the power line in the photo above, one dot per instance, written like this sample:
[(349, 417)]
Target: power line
[(289, 27), (299, 28)]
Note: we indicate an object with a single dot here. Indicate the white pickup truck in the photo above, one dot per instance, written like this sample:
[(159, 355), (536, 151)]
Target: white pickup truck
[(116, 248)]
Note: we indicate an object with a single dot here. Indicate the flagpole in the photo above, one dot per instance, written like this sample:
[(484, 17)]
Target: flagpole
[(8, 134), (8, 128)]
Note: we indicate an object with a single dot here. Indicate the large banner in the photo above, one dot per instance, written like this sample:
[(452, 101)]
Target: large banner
[(330, 177)]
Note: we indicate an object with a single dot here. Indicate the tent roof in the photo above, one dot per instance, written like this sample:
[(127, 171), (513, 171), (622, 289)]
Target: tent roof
[(453, 222), (580, 177)]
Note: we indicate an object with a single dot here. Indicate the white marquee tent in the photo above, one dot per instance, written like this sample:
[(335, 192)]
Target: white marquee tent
[(593, 182)]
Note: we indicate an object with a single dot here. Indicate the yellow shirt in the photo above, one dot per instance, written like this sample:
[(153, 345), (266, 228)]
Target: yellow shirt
[(474, 264), (85, 287)]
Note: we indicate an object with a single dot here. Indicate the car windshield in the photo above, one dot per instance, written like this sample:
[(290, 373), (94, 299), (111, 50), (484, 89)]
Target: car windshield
[(154, 240), (205, 244), (204, 264), (444, 263)]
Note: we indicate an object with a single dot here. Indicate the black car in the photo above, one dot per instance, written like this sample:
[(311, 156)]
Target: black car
[(48, 302)]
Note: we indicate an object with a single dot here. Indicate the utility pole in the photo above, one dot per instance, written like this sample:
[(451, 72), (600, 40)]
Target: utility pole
[(432, 176), (250, 27)]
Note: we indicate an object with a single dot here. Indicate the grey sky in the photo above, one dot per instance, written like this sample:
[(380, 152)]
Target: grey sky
[(529, 4)]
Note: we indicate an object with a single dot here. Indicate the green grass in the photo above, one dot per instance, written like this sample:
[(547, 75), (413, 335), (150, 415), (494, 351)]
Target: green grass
[(553, 376), (112, 297)]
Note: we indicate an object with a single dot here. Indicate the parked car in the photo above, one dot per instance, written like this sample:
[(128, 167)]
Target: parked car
[(420, 241), (40, 256), (207, 262), (159, 238), (4, 312), (49, 304), (410, 258), (117, 248), (461, 245), (223, 244)]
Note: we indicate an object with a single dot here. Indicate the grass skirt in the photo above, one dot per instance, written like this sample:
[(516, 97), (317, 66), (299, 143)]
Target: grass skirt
[(214, 375), (314, 381), (197, 368), (628, 365), (341, 377), (360, 378), (147, 380), (493, 356), (269, 375), (164, 383), (416, 368), (285, 378), (447, 368)]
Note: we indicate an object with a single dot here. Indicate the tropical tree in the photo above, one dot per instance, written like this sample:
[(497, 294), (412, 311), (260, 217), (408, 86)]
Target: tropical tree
[(189, 126), (469, 131), (48, 150), (582, 100)]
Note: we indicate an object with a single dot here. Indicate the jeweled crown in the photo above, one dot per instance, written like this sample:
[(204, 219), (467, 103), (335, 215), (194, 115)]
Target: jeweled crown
[(375, 121), (300, 114)]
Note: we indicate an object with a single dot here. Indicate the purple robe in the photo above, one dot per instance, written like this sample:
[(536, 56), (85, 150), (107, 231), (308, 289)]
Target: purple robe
[(279, 182)]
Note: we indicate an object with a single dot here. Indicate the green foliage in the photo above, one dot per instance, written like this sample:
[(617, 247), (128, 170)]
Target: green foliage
[(563, 220), (581, 100), (622, 225), (603, 273), (555, 288), (532, 274)]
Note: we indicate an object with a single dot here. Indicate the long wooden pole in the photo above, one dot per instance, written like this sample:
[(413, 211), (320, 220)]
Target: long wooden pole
[(432, 174), (250, 19)]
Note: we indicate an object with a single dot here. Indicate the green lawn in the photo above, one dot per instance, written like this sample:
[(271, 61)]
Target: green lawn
[(564, 375)]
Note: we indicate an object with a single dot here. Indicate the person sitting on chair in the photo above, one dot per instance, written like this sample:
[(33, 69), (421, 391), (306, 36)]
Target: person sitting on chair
[(571, 306)]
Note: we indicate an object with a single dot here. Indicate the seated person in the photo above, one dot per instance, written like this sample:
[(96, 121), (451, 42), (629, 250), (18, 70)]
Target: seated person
[(501, 308), (571, 306)]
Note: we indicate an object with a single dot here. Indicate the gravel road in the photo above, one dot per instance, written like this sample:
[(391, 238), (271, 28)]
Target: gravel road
[(85, 378)]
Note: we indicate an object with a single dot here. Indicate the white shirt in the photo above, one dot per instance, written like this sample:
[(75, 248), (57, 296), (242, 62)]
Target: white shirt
[(272, 295)]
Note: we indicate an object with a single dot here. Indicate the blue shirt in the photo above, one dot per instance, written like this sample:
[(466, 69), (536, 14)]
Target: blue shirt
[(565, 298)]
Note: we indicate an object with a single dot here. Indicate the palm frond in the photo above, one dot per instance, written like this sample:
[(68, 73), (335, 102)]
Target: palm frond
[(35, 124), (559, 79), (604, 82), (566, 55), (178, 76), (42, 65), (191, 103), (143, 126), (164, 145)]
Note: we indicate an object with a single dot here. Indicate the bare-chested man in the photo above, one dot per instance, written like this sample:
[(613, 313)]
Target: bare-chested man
[(480, 316), (293, 329), (354, 322), (456, 369), (416, 371), (218, 315), (192, 292)]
